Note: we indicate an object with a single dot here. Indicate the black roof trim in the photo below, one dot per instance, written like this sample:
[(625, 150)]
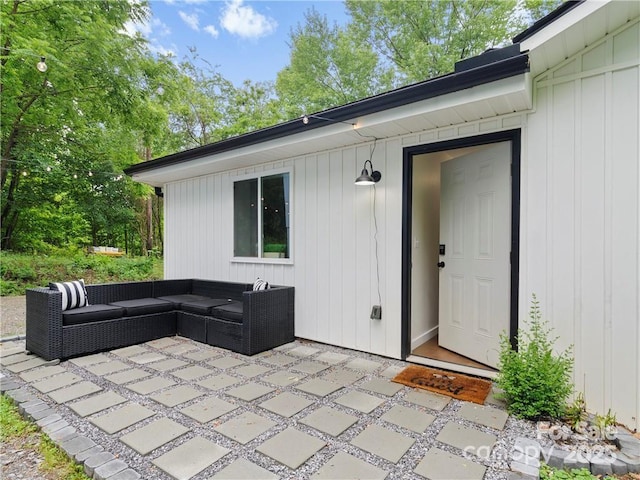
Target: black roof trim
[(453, 82), (547, 19)]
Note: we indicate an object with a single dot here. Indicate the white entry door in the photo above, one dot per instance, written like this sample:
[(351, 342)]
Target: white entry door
[(475, 211)]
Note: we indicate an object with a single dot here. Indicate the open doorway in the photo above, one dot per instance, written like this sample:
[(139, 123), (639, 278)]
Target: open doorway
[(460, 283)]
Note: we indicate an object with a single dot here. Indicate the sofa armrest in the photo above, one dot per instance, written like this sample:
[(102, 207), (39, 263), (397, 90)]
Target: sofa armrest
[(44, 323), (268, 319)]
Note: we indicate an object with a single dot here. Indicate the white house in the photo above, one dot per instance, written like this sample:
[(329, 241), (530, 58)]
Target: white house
[(517, 174)]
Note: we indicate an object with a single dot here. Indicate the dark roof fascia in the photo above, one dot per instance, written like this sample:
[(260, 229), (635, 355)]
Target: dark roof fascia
[(435, 87), (547, 19)]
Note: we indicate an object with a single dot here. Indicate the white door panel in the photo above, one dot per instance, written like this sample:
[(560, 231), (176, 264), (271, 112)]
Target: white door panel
[(475, 219)]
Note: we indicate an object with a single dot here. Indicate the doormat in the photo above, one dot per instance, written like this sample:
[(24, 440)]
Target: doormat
[(456, 385)]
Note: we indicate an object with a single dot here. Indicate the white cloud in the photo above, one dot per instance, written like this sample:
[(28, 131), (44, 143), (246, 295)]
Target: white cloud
[(244, 21), (160, 28), (192, 20), (211, 30)]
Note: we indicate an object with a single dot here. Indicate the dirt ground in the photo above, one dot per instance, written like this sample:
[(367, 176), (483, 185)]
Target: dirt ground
[(12, 316)]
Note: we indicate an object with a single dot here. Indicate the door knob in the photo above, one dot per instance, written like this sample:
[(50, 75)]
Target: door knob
[(440, 264)]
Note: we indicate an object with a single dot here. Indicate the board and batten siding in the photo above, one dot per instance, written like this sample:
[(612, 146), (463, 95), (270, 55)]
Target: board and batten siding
[(333, 235), (581, 216)]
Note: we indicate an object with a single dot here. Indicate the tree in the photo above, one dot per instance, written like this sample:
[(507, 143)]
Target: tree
[(61, 121), (329, 66)]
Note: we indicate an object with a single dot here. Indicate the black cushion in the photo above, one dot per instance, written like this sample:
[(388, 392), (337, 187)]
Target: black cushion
[(144, 306), (178, 300), (232, 312), (91, 313), (203, 307)]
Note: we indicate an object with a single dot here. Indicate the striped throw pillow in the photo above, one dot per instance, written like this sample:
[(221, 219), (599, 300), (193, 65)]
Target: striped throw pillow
[(260, 284), (74, 294)]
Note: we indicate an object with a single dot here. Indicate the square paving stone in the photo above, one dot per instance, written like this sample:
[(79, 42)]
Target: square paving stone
[(382, 386), (148, 357), (408, 418), (105, 368), (122, 418), (192, 372), (286, 404), (363, 364), (342, 377), (180, 349), (28, 365), (279, 360), (250, 391), (208, 409), (41, 373), (285, 347), (131, 351), (251, 371), (427, 399), (245, 427), (190, 458), (218, 382), (363, 402), (467, 439), (226, 362), (153, 435), (96, 403), (346, 467), (303, 351), (242, 469), (147, 386), (17, 358), (329, 420), (177, 395), (166, 365), (201, 355), (319, 387), (59, 381), (487, 416), (130, 375), (291, 447), (391, 372), (90, 360), (74, 391), (163, 343), (440, 465), (383, 443), (309, 367), (283, 378), (332, 358)]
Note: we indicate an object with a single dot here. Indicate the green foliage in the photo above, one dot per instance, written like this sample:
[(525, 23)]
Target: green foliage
[(550, 473), (55, 460), (20, 271), (11, 423), (605, 424), (535, 380), (275, 247), (576, 413)]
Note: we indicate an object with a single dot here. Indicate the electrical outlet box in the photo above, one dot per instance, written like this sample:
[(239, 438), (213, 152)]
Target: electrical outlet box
[(376, 312)]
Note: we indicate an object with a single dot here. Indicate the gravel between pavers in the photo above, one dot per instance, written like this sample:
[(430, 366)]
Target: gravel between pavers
[(497, 464)]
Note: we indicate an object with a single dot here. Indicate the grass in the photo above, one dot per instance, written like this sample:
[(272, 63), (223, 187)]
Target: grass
[(21, 271), (17, 431)]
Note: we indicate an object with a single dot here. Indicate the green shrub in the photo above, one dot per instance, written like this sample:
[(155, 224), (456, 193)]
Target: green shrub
[(535, 381), (550, 473)]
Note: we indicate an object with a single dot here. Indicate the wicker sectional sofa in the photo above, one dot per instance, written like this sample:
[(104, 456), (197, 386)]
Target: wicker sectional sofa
[(224, 314)]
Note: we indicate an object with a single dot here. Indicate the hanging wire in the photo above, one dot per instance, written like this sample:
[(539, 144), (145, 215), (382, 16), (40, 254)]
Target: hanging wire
[(375, 239)]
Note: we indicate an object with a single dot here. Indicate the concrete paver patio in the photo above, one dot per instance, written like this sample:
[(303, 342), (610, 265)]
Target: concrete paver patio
[(175, 408)]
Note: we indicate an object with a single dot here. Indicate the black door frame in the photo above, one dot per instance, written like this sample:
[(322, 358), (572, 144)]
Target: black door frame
[(514, 136)]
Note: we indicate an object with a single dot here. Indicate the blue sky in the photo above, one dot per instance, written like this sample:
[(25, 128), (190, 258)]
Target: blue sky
[(243, 39)]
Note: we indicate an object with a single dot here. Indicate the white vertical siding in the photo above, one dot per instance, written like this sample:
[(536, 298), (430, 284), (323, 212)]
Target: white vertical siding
[(581, 215)]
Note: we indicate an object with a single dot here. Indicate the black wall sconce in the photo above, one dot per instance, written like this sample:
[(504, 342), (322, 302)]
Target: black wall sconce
[(365, 178)]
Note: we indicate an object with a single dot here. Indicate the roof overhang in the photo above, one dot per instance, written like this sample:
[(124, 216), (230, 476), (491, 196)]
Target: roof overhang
[(485, 91), (571, 28)]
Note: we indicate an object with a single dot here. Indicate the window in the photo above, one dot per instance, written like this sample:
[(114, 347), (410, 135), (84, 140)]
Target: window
[(261, 217)]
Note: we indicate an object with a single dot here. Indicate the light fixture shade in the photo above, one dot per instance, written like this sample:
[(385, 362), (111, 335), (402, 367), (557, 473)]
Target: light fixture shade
[(42, 65), (365, 178)]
